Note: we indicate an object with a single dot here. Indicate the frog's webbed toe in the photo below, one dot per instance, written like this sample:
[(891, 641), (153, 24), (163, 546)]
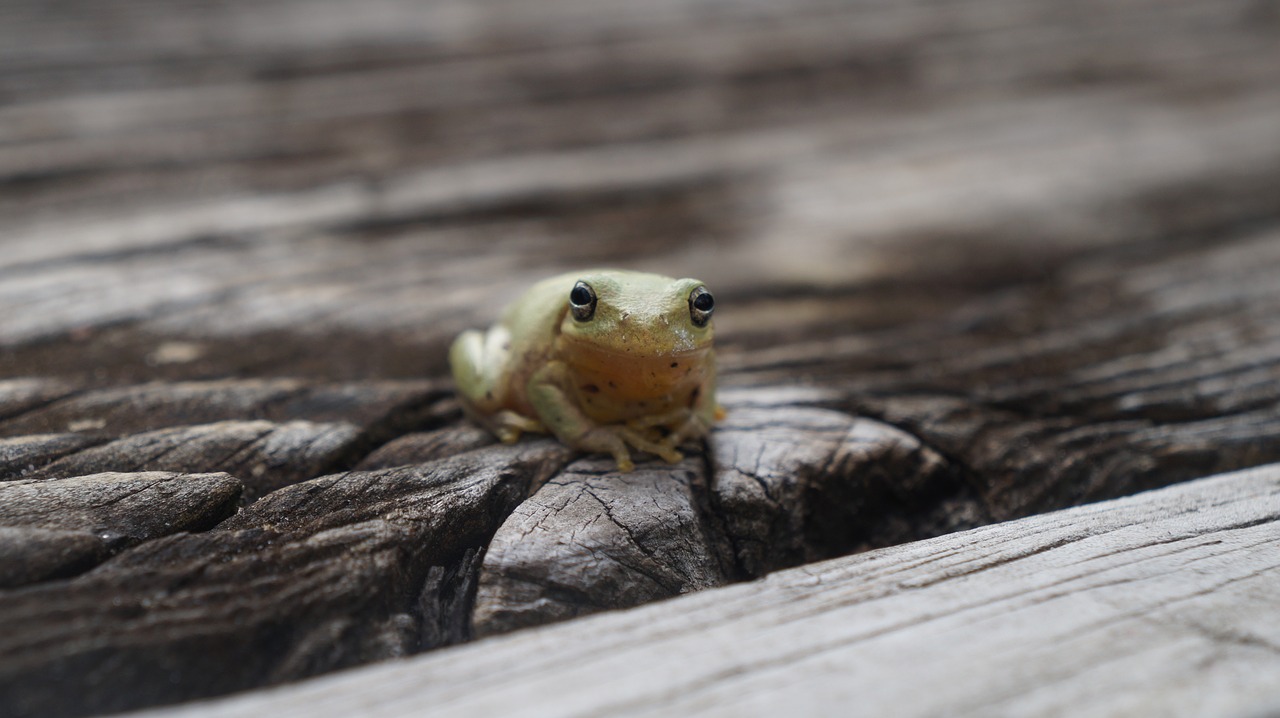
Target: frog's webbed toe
[(507, 425), (606, 440), (663, 447), (671, 429), (618, 440), (665, 420), (693, 427)]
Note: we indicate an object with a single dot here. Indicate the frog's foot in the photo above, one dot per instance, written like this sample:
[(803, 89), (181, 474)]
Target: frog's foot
[(670, 429), (618, 440), (606, 440), (663, 448), (647, 424), (508, 426), (693, 427)]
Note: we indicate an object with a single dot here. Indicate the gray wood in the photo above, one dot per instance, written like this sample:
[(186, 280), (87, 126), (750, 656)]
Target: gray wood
[(1158, 604), (127, 408), (22, 455), (121, 507), (591, 539), (974, 260), (29, 555), (266, 454), (54, 528), (423, 446), (788, 485), (796, 484), (332, 572)]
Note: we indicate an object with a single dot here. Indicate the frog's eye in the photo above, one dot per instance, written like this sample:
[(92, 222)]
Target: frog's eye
[(701, 304), (582, 301)]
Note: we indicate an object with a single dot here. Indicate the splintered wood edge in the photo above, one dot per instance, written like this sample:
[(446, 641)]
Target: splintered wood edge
[(1158, 603)]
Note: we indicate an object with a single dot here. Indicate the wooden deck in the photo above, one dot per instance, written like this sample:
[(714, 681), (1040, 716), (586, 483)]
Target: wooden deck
[(975, 262)]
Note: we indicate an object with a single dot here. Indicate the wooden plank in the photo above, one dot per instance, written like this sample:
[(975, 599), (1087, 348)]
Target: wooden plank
[(1158, 604)]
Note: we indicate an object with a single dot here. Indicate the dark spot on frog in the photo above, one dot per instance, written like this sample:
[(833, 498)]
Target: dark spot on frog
[(592, 388), (693, 395), (675, 364), (612, 385)]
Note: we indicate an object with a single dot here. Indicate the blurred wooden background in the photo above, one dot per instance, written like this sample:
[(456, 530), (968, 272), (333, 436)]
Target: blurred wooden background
[(975, 261)]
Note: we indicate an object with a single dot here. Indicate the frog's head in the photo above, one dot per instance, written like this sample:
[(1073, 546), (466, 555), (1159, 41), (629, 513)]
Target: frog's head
[(641, 335), (638, 315)]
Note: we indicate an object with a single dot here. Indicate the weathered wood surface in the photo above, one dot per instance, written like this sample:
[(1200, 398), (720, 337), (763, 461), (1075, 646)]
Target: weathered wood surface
[(1157, 604), (975, 261)]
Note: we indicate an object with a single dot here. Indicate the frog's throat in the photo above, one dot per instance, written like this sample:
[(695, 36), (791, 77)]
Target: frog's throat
[(633, 377)]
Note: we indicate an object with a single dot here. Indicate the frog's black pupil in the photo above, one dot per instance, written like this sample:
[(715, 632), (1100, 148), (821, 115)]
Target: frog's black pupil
[(580, 296), (704, 302)]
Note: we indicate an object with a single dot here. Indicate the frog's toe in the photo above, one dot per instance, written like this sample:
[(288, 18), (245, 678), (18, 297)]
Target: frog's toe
[(622, 458), (667, 450), (690, 430), (605, 440), (663, 448), (508, 426)]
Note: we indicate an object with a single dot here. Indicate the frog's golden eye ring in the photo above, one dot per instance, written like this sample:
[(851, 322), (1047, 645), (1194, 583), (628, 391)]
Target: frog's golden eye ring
[(582, 301), (701, 304)]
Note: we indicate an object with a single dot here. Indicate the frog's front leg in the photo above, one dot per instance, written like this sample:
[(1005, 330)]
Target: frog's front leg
[(549, 394)]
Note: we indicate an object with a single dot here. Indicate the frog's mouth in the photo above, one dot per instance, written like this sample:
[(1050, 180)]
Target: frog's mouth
[(630, 377)]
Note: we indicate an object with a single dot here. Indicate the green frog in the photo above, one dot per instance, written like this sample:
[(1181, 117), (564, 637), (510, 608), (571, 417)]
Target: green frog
[(607, 360)]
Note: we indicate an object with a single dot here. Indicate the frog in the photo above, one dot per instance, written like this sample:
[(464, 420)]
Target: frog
[(606, 360)]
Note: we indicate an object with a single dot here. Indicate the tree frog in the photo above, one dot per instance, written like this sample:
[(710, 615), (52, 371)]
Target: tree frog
[(607, 360)]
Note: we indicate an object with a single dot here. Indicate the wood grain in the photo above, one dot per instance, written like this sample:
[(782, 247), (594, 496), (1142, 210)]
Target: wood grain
[(1158, 603), (332, 572)]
